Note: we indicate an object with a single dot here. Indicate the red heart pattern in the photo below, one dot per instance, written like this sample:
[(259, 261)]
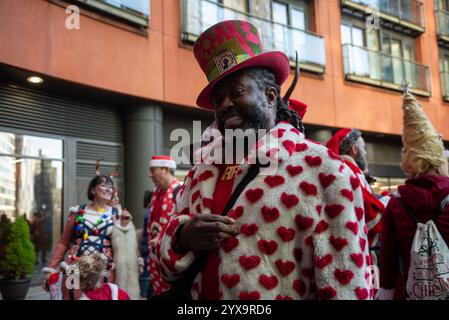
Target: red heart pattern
[(321, 227), (361, 293), (289, 200), (289, 146), (249, 229), (326, 179), (274, 181), (230, 281), (285, 267), (308, 188), (355, 182), (322, 262), (299, 286), (267, 247), (294, 170), (270, 214), (359, 212), (229, 244), (326, 293), (353, 226), (357, 258), (300, 147), (253, 295), (254, 195), (333, 210), (249, 262), (303, 223), (348, 194), (343, 276), (269, 282), (286, 234), (338, 243), (313, 161), (236, 213)]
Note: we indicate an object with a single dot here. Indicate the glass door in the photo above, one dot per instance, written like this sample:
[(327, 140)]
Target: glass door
[(396, 52)]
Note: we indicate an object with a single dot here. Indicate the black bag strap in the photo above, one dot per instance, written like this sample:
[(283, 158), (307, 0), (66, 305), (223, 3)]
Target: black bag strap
[(199, 263), (253, 171)]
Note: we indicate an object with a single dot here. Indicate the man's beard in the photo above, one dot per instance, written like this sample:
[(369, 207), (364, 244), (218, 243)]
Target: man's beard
[(255, 121), (361, 162)]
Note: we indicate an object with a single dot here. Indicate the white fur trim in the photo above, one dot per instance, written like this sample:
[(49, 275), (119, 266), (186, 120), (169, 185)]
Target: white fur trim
[(122, 228), (140, 261), (49, 270), (124, 246), (163, 163)]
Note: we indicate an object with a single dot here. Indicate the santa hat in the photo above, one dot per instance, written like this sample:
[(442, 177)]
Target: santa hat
[(298, 106), (337, 138), (423, 145), (162, 161)]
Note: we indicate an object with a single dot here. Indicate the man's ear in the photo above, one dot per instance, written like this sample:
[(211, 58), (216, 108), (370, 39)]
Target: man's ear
[(354, 151), (271, 94)]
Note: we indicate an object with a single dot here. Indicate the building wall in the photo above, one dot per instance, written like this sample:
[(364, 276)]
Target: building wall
[(159, 67)]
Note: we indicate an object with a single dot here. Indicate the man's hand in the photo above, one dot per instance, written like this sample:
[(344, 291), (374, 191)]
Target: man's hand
[(125, 218), (45, 279), (153, 243), (206, 231)]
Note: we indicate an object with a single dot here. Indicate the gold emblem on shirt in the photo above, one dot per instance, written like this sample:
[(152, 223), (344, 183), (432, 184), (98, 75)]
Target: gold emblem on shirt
[(230, 172)]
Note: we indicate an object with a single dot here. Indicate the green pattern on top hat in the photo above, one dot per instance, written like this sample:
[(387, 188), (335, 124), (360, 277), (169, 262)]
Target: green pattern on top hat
[(225, 45)]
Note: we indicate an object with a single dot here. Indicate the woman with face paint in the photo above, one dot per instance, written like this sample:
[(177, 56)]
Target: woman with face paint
[(96, 227)]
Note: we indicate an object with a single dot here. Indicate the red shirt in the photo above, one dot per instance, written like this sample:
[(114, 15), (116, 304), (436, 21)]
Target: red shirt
[(222, 194)]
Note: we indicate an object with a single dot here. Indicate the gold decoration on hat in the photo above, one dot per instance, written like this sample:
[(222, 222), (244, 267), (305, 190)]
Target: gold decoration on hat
[(423, 145)]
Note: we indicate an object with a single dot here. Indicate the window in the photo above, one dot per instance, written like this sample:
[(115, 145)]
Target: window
[(352, 35), (138, 6), (292, 13), (135, 12), (31, 184)]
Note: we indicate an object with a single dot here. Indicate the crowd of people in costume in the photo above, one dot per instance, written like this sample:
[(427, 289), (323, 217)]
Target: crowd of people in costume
[(311, 229)]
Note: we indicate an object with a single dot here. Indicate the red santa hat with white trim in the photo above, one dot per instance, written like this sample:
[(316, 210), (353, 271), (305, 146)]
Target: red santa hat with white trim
[(337, 138), (162, 161)]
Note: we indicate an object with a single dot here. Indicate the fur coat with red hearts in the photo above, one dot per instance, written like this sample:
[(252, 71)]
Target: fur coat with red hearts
[(302, 228)]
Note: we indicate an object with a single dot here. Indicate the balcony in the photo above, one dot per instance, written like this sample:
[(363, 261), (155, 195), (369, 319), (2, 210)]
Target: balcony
[(442, 18), (383, 70), (406, 16), (198, 15), (131, 11), (444, 76)]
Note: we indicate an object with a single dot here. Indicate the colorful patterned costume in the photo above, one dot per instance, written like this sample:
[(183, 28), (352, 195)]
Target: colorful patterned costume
[(87, 231)]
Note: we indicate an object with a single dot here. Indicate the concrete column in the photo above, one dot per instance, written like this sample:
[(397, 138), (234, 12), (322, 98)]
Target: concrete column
[(143, 139)]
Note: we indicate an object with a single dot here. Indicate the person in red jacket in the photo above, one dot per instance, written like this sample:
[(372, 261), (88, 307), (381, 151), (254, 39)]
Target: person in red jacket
[(426, 188)]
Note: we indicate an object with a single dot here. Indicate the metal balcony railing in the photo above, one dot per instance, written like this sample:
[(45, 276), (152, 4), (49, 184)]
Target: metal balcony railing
[(198, 15), (410, 11), (384, 70)]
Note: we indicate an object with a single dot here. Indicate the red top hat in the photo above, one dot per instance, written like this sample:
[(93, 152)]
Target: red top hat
[(230, 46)]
